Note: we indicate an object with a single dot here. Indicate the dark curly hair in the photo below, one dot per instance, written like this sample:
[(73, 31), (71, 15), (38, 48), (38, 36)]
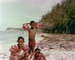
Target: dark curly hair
[(37, 49), (20, 38), (32, 22)]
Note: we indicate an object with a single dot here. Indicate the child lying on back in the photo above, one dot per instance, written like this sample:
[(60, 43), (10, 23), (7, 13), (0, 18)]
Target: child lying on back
[(19, 51)]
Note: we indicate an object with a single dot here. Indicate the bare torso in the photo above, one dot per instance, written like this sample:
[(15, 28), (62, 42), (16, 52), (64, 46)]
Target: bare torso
[(32, 33)]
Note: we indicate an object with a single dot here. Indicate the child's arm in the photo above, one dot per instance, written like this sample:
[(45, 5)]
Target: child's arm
[(25, 49), (14, 52), (43, 56), (25, 26)]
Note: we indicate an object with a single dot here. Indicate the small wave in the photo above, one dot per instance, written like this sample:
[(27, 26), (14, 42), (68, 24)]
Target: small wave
[(3, 56)]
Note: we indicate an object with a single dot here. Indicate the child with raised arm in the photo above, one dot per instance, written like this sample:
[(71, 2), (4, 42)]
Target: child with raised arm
[(32, 33), (19, 51)]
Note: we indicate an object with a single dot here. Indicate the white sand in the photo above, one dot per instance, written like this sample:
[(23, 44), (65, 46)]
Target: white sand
[(56, 52)]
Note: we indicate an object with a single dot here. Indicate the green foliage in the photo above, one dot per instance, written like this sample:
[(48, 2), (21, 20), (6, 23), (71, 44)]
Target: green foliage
[(61, 19)]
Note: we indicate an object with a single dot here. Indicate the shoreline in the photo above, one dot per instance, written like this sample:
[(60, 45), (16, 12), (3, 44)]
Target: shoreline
[(54, 46)]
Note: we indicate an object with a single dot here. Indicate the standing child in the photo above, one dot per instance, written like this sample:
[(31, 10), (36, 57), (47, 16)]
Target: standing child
[(32, 32), (19, 51)]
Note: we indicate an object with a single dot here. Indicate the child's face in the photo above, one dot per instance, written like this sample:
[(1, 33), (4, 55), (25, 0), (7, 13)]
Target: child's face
[(20, 42), (32, 25), (37, 52)]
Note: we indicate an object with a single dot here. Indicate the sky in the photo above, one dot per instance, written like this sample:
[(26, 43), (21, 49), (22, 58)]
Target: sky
[(13, 13)]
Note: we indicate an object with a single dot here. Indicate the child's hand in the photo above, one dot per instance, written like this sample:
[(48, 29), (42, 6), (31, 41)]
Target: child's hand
[(16, 48), (13, 54), (25, 26), (43, 56), (37, 25), (25, 47)]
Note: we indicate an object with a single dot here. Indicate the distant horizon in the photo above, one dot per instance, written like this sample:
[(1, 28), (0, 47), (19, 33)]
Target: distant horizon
[(14, 13)]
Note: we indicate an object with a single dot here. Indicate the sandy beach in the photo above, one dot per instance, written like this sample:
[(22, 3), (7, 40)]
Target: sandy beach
[(58, 46), (54, 46)]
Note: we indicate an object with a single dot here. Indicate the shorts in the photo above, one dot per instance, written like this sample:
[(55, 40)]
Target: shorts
[(32, 43)]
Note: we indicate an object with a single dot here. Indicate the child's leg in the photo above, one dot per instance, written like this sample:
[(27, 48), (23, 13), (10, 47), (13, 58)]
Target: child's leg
[(11, 57), (33, 49), (33, 46), (15, 58), (30, 50), (25, 57), (31, 53)]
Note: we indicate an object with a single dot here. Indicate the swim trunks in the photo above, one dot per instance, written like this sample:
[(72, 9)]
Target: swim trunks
[(32, 43)]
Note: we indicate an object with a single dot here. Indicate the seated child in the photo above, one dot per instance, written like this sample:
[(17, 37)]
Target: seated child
[(19, 51), (38, 55)]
